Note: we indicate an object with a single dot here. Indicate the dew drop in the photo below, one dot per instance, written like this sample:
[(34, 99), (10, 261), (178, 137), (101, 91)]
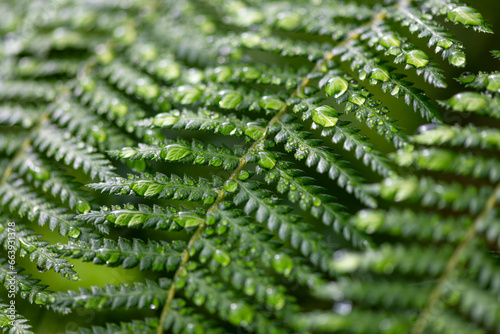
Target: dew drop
[(389, 41), (283, 264), (222, 257), (417, 58), (395, 91), (468, 101), (199, 299), (362, 75), (457, 58), (240, 314), (467, 77), (342, 308), (229, 99), (74, 232), (251, 73), (426, 127), (336, 86), (118, 108), (493, 83), (288, 21), (243, 175)]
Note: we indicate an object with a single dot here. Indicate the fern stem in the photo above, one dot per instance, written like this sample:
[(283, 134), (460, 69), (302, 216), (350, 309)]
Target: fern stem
[(26, 143), (242, 163), (421, 322), (221, 195)]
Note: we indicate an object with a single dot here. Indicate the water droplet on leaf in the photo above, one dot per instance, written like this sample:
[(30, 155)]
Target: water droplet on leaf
[(283, 264), (229, 99), (243, 175), (380, 74), (250, 40), (271, 103), (168, 70), (457, 58), (118, 108), (83, 206), (198, 299), (230, 186), (357, 99), (325, 116), (467, 77), (288, 21), (251, 73), (465, 15), (266, 160), (222, 257), (336, 86), (389, 41), (426, 127), (468, 101), (445, 43), (174, 152), (275, 299), (187, 94), (240, 314), (222, 73), (146, 90), (165, 119), (417, 58), (493, 83), (362, 75), (254, 131), (99, 134), (74, 232)]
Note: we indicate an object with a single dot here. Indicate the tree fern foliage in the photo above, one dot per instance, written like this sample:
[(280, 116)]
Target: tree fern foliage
[(244, 162)]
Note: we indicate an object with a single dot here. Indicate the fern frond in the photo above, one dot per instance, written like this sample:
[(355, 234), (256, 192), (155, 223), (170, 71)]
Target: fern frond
[(147, 326), (65, 148), (20, 200), (163, 187), (15, 323), (210, 121), (324, 161), (293, 213), (53, 182), (182, 151), (28, 288), (128, 254), (124, 296), (29, 244)]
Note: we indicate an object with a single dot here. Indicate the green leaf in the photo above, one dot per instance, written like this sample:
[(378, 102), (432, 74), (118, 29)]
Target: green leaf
[(187, 94), (325, 116), (266, 160), (230, 99), (230, 186), (465, 15), (240, 314), (283, 264), (188, 219), (174, 152), (468, 101), (336, 86), (271, 103), (165, 120), (288, 21), (493, 83), (389, 41), (417, 58), (222, 257), (254, 131)]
